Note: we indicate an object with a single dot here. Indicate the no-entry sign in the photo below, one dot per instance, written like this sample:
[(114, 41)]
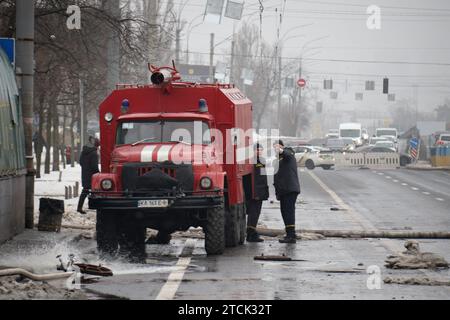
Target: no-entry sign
[(301, 83)]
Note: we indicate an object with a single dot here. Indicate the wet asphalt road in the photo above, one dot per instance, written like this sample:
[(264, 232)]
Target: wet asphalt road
[(334, 268)]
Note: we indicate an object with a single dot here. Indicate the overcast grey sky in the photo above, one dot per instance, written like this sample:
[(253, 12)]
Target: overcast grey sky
[(411, 31)]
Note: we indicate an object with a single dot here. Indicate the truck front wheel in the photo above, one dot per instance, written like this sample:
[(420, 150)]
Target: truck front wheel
[(214, 230), (132, 239), (107, 233)]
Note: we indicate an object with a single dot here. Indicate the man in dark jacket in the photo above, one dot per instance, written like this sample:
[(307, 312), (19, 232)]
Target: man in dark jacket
[(261, 193), (89, 167), (287, 188)]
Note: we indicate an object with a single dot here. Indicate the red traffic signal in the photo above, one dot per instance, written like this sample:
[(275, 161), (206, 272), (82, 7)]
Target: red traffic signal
[(301, 83)]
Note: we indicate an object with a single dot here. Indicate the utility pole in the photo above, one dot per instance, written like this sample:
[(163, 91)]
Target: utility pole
[(82, 115), (25, 66), (232, 59), (279, 92), (211, 59), (113, 47), (177, 44)]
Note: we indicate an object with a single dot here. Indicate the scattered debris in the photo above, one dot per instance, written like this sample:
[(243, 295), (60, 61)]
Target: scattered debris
[(413, 258), (421, 281), (11, 289), (282, 257), (94, 270)]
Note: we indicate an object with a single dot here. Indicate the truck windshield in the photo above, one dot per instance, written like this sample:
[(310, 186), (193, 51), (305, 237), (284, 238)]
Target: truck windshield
[(192, 132), (351, 133)]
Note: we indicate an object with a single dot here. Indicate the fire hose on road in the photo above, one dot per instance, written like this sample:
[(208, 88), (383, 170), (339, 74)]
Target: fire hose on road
[(33, 276), (394, 234)]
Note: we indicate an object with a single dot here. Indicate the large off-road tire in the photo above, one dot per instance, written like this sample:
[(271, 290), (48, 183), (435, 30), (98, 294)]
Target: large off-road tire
[(243, 223), (214, 230), (232, 226), (107, 233), (132, 239), (309, 164)]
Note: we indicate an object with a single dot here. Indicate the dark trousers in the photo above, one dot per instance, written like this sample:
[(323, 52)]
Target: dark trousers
[(83, 196), (253, 212), (287, 205)]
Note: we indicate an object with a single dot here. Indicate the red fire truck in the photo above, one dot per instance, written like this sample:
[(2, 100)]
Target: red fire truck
[(169, 162)]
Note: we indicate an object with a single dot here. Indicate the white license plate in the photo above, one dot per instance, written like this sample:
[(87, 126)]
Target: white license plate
[(159, 203)]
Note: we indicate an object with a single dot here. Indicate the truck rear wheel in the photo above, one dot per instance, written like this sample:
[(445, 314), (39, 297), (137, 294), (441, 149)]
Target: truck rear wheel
[(214, 230), (107, 233), (232, 226)]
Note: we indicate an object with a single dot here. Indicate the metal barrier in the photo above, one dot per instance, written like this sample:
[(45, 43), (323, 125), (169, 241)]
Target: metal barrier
[(388, 160)]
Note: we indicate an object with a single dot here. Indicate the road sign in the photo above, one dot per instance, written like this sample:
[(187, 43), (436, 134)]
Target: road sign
[(301, 83), (414, 145), (9, 46)]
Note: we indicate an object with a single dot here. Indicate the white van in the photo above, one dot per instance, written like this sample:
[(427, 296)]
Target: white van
[(353, 131), (389, 133)]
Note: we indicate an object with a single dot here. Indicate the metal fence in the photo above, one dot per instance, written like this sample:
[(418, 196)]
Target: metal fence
[(388, 160)]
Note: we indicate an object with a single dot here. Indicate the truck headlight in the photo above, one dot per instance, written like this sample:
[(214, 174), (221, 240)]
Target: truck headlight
[(107, 184), (108, 117), (205, 183)]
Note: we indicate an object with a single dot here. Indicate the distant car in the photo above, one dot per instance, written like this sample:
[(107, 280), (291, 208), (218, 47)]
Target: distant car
[(349, 143), (386, 144), (442, 139), (340, 144), (333, 133), (311, 157), (404, 157), (374, 140)]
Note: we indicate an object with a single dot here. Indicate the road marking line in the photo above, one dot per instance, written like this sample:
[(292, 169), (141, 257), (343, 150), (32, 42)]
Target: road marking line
[(439, 199), (388, 177), (425, 192), (356, 217), (395, 180), (380, 173), (170, 288), (388, 244), (414, 188), (404, 184)]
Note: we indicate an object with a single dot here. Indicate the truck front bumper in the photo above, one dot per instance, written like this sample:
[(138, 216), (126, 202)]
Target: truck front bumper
[(174, 202)]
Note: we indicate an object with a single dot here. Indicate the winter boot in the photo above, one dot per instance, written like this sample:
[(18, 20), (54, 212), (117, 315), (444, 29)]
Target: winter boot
[(253, 236), (161, 238), (290, 237)]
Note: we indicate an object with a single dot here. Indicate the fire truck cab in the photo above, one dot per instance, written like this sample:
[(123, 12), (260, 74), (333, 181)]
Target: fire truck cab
[(169, 162)]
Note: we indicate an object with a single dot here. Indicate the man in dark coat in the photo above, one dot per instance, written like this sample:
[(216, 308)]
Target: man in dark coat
[(287, 188), (261, 193), (89, 167)]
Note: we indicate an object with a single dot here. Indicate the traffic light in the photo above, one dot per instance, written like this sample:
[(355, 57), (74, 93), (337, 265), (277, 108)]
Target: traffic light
[(328, 84), (385, 86), (370, 85)]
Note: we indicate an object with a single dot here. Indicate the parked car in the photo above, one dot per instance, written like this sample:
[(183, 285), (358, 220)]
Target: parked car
[(442, 138), (311, 157), (387, 144)]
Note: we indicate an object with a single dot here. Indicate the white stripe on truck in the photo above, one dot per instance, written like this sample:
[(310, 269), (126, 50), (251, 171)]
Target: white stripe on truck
[(163, 153), (147, 153)]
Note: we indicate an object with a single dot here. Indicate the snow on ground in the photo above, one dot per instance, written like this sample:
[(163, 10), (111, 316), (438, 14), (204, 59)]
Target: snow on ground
[(49, 186)]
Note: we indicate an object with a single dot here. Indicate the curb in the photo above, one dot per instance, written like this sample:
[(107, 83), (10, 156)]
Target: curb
[(428, 168)]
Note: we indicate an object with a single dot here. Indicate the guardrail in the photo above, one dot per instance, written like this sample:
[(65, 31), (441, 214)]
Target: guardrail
[(376, 160)]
